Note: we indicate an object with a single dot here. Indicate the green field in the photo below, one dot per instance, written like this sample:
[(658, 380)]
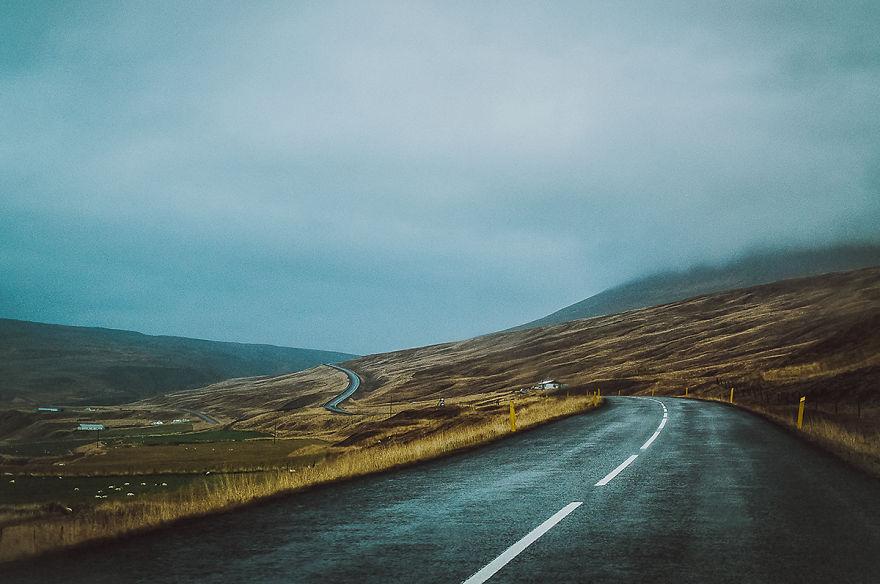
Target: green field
[(150, 436), (141, 435), (79, 491), (148, 430), (222, 435), (43, 448), (118, 458)]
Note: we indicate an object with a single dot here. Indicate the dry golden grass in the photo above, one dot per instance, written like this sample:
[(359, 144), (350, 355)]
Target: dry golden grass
[(825, 366), (793, 372), (108, 520), (18, 513)]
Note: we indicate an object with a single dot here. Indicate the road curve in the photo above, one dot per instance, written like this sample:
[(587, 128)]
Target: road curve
[(202, 416), (354, 382), (704, 493)]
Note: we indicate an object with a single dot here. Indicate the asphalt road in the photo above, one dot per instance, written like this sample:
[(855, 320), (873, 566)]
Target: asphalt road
[(202, 416), (354, 382), (718, 496)]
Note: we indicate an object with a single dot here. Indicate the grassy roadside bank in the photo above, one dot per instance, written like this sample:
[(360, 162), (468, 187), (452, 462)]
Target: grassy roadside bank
[(858, 446), (114, 519)]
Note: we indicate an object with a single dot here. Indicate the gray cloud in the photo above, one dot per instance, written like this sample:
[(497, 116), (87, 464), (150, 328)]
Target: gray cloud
[(365, 176)]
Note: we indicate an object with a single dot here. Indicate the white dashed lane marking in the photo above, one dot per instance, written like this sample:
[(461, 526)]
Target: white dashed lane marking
[(617, 471), (492, 567), (659, 428)]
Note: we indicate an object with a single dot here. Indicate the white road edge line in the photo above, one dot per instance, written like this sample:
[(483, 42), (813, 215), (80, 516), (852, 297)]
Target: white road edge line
[(492, 567), (656, 433), (659, 428), (616, 471)]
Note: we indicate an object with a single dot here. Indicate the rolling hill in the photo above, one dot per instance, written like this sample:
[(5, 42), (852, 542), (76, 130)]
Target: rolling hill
[(46, 363), (817, 336), (751, 270)]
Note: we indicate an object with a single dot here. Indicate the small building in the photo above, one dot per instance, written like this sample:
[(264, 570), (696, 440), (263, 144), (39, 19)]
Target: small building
[(92, 427), (50, 409)]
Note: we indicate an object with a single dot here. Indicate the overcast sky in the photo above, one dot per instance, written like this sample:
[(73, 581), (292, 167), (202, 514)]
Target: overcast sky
[(364, 176)]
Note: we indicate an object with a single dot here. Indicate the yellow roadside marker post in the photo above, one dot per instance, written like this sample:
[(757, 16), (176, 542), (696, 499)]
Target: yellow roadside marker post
[(731, 395), (652, 392), (512, 417), (685, 392), (800, 420)]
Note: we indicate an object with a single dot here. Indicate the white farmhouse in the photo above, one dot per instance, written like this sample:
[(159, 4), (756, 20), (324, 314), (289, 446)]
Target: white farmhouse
[(548, 384), (92, 427)]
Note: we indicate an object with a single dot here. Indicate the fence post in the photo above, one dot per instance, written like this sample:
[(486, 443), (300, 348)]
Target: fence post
[(731, 395), (800, 418)]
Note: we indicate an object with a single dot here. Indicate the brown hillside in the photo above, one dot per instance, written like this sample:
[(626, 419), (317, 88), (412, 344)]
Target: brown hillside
[(821, 333), (818, 335)]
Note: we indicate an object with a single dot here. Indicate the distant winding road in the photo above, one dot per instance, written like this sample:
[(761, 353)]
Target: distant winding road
[(354, 382), (642, 490), (202, 416)]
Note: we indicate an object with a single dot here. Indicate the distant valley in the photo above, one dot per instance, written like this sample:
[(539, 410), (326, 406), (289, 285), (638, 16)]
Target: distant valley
[(55, 364)]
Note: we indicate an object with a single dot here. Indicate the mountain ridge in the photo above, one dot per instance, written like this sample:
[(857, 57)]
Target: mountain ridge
[(753, 269), (70, 364)]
